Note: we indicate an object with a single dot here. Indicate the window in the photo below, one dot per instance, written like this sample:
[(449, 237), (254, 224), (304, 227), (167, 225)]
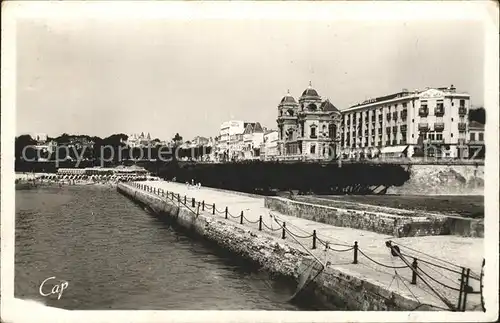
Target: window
[(472, 136), (462, 103), (451, 135), (481, 136), (439, 136), (313, 131), (404, 105), (313, 149), (431, 136), (451, 119)]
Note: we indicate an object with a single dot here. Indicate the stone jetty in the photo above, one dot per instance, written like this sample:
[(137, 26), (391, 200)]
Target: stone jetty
[(342, 267)]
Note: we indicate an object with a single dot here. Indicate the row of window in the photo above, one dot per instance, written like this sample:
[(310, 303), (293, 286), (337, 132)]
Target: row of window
[(386, 143), (439, 110), (480, 136)]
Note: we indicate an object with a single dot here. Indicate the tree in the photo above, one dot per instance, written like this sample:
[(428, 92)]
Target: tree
[(478, 115), (177, 139), (20, 143)]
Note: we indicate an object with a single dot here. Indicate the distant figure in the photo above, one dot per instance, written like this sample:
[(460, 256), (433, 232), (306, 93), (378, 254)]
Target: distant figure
[(199, 185), (192, 182)]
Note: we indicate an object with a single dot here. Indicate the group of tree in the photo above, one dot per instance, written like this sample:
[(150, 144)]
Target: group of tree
[(478, 115), (93, 148)]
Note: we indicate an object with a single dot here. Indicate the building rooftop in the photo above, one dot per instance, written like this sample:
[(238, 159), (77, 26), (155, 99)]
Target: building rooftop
[(310, 91), (402, 93), (476, 125), (288, 98), (328, 106)]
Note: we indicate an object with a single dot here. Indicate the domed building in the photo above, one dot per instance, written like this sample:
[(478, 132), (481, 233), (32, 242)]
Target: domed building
[(307, 128)]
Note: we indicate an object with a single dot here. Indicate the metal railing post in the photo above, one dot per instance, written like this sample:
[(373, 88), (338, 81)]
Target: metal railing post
[(241, 217), (198, 209), (314, 239), (355, 252), (414, 271), (203, 205), (466, 288), (213, 209), (193, 202), (260, 223), (459, 306), (226, 212), (185, 199), (283, 231)]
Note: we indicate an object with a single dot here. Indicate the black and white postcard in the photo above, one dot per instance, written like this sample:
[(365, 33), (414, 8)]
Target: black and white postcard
[(249, 161)]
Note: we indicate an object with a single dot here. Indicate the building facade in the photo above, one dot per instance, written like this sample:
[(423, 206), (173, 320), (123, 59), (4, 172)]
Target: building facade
[(269, 146), (432, 122), (136, 140), (476, 143), (307, 129), (253, 137), (227, 131)]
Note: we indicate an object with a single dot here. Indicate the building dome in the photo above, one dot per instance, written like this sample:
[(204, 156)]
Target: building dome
[(288, 98), (310, 91)]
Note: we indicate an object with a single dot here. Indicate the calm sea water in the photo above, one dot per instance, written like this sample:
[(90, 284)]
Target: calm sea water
[(115, 255)]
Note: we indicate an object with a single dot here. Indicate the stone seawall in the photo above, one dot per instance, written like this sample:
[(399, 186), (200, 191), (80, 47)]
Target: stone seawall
[(385, 223), (442, 180), (334, 288)]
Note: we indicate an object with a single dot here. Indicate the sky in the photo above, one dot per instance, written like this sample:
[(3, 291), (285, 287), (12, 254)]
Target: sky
[(100, 76)]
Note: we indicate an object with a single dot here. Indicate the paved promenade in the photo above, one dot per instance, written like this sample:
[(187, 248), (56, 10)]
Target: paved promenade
[(445, 251)]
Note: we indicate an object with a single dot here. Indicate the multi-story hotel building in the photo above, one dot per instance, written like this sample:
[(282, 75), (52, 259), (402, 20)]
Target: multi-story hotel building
[(307, 129), (404, 123)]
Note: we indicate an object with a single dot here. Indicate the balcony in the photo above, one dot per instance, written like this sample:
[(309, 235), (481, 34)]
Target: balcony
[(439, 112), (403, 128), (423, 126), (462, 111), (462, 126), (394, 129), (387, 129), (404, 114), (439, 126), (395, 116), (423, 112), (388, 117)]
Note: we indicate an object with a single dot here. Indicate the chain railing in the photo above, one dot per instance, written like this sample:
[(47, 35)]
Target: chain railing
[(418, 272)]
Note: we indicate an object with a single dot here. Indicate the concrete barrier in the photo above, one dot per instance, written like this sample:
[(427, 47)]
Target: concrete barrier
[(385, 223), (334, 288)]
